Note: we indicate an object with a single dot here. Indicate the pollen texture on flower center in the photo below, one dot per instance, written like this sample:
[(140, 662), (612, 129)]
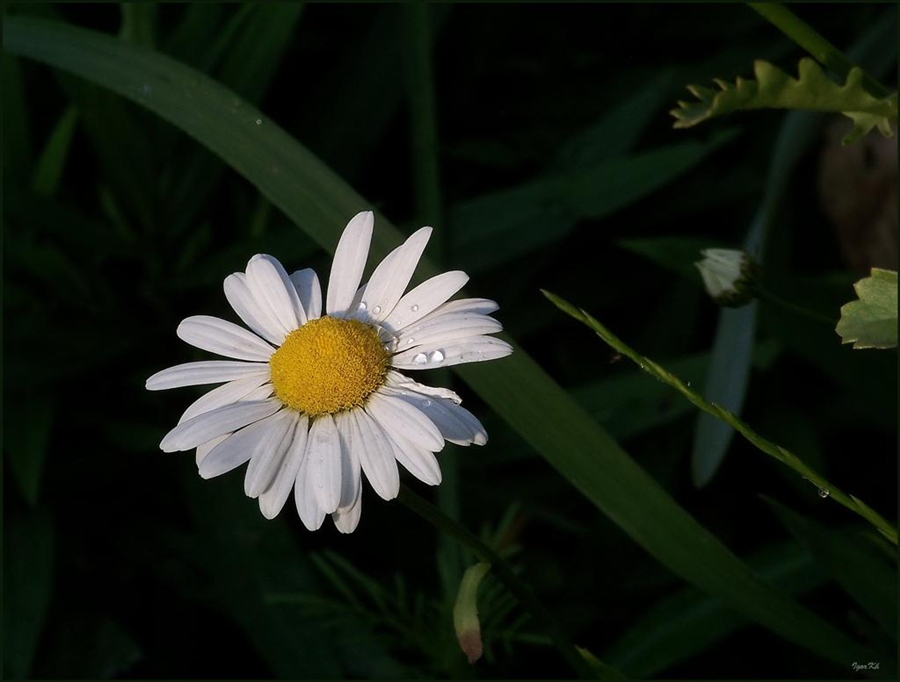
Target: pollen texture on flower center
[(328, 365)]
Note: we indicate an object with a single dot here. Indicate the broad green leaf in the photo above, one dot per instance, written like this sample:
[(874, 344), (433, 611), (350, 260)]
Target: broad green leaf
[(259, 35), (773, 88), (857, 566), (689, 622), (871, 321), (27, 584), (319, 202), (617, 131), (539, 212)]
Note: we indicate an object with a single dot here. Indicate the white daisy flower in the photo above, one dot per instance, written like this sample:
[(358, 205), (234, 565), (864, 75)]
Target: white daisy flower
[(313, 398)]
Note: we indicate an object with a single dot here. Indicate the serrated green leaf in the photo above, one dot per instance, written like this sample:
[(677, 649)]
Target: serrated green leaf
[(773, 88), (871, 322)]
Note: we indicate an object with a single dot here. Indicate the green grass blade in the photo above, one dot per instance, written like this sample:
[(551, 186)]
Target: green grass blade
[(318, 201), (537, 213), (53, 157), (825, 488), (617, 131), (259, 35), (687, 623), (856, 564)]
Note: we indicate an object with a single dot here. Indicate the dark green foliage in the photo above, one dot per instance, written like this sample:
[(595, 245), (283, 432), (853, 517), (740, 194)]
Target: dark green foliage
[(559, 169)]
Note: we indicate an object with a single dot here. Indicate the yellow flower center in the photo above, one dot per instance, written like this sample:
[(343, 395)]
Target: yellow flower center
[(328, 365)]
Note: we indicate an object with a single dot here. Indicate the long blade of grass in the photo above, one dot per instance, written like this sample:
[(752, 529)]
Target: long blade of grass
[(854, 562), (826, 488), (687, 623), (318, 201)]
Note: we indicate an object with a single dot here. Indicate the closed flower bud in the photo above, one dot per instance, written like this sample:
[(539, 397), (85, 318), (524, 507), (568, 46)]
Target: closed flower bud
[(729, 276)]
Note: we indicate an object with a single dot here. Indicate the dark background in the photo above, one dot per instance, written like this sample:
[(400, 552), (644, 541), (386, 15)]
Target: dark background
[(120, 562)]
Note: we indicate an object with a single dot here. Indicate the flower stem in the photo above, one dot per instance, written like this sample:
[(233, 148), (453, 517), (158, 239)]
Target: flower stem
[(767, 295), (510, 580), (810, 40)]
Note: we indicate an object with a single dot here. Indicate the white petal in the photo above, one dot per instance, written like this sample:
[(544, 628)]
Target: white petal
[(274, 292), (205, 372), (418, 461), (479, 306), (470, 349), (253, 388), (398, 416), (223, 338), (204, 427), (306, 282), (324, 454), (442, 407), (236, 449), (424, 298), (351, 474), (395, 381), (268, 454), (248, 309), (442, 329), (376, 456), (391, 277), (346, 519), (272, 501), (205, 448), (305, 498), (349, 262)]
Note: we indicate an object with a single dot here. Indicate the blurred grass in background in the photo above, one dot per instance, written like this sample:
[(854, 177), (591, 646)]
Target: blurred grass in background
[(559, 169)]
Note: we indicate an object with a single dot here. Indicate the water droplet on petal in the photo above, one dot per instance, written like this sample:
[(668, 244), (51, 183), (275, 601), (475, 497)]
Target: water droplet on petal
[(415, 308), (420, 359), (426, 403), (824, 492), (376, 309), (362, 305), (436, 356), (410, 341)]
